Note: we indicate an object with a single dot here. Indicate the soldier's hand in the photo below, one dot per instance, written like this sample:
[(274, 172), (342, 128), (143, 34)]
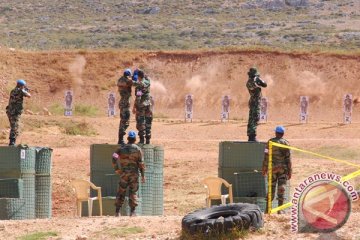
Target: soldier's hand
[(288, 176), (143, 179), (264, 172)]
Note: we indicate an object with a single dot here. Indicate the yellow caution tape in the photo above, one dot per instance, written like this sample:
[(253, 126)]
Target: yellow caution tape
[(289, 204), (269, 200), (350, 176), (315, 154)]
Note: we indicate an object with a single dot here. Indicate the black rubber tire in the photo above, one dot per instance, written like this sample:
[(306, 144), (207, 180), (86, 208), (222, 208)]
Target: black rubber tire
[(223, 218)]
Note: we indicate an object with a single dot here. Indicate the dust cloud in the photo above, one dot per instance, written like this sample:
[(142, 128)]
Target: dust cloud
[(76, 69)]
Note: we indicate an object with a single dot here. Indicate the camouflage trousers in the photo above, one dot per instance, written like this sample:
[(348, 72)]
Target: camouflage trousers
[(127, 180), (124, 106), (254, 117), (278, 179), (14, 125), (144, 120)]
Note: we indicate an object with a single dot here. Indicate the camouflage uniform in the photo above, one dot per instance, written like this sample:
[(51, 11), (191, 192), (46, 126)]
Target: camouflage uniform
[(254, 85), (14, 111), (124, 85), (143, 108), (281, 168), (127, 161)]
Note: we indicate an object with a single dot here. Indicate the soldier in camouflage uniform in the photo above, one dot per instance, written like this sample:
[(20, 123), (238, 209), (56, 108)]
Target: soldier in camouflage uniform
[(15, 108), (254, 85), (124, 86), (127, 162), (281, 165), (142, 107)]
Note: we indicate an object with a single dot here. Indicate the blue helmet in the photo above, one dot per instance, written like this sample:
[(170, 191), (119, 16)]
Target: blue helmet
[(21, 82), (132, 134), (127, 72), (135, 77), (136, 71), (280, 129)]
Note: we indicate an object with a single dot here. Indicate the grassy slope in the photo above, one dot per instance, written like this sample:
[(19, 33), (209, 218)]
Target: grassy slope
[(188, 24)]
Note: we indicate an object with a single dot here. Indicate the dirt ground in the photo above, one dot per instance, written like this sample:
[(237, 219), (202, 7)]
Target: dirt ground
[(188, 147)]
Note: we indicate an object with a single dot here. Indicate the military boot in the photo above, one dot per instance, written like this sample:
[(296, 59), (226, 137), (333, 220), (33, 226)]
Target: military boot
[(147, 139), (132, 212), (12, 142), (117, 212), (252, 138), (141, 139)]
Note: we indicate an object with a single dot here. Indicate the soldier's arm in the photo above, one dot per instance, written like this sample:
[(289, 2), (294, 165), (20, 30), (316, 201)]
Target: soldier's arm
[(288, 161), (129, 82), (146, 82), (141, 164), (115, 159), (260, 83), (266, 160), (26, 93)]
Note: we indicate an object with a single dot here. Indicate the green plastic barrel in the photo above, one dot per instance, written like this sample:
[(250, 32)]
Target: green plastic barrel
[(12, 208)]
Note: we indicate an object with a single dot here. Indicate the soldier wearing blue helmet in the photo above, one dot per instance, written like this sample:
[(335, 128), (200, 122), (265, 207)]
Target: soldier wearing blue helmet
[(124, 86), (15, 108), (128, 162), (281, 165)]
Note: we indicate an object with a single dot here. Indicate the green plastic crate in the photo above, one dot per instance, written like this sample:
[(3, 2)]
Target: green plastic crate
[(29, 195), (43, 199), (43, 160), (249, 184), (245, 156), (11, 188), (12, 208), (15, 161)]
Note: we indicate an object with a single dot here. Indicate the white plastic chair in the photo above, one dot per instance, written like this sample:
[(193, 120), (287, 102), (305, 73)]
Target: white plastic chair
[(82, 191), (213, 186)]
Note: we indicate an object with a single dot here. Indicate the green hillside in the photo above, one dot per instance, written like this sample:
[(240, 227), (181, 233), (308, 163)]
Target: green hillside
[(180, 24)]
